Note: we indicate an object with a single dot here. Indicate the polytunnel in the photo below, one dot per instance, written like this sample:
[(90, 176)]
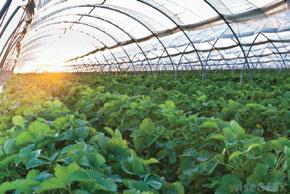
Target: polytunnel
[(145, 35), (144, 96)]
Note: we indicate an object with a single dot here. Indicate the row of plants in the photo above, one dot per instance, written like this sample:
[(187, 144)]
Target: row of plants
[(86, 133)]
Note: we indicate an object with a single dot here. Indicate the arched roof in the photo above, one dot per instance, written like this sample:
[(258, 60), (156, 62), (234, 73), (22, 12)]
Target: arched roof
[(149, 35)]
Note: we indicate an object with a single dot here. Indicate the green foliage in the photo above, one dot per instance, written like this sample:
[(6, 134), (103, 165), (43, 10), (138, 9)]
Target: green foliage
[(18, 121), (24, 138), (209, 124), (144, 134), (36, 129)]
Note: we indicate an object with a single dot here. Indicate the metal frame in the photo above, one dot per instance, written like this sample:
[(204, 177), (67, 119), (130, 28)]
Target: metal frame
[(158, 58)]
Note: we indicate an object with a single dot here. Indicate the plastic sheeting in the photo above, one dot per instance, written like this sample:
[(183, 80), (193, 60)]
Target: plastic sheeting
[(159, 35)]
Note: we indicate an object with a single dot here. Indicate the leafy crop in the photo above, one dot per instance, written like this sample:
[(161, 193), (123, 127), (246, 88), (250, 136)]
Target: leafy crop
[(144, 134)]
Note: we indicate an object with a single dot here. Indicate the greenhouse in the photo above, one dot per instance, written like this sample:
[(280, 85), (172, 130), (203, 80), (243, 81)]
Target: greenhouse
[(144, 96)]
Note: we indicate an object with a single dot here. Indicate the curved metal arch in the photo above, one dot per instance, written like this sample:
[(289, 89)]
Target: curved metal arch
[(236, 37), (258, 57), (7, 55), (7, 44), (96, 39), (238, 55), (113, 8), (82, 32), (261, 54), (28, 42), (26, 55), (122, 29), (9, 49), (182, 55), (121, 46), (266, 42), (156, 57), (182, 30), (62, 1), (3, 18), (105, 47), (140, 60), (40, 36), (99, 29), (286, 47), (184, 52), (76, 64), (5, 8), (107, 21), (270, 41), (254, 56), (84, 64), (156, 66), (238, 58), (213, 47), (32, 48), (98, 64), (142, 23), (12, 40), (9, 20), (257, 60), (285, 58), (179, 53), (35, 44), (161, 57), (8, 58), (80, 65), (93, 65), (107, 61), (4, 11), (99, 42), (127, 33), (12, 36)]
